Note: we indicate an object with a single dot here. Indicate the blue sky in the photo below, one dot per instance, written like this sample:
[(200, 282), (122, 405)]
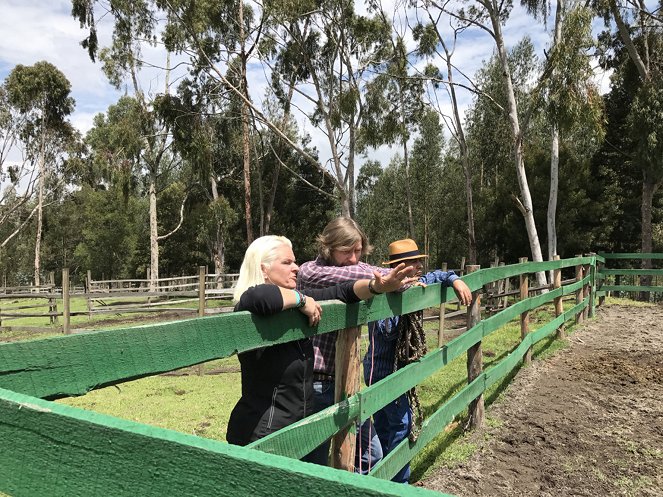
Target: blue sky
[(34, 30)]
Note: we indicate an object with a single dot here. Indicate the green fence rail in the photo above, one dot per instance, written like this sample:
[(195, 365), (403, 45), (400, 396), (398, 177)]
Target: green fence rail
[(610, 278), (52, 449)]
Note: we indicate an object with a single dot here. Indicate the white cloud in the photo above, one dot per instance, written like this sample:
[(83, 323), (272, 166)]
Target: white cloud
[(34, 30)]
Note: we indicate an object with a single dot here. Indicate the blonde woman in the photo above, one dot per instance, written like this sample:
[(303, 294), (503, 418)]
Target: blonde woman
[(277, 381)]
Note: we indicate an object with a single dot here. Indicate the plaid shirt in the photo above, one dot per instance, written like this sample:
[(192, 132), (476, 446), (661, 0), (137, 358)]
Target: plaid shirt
[(318, 274)]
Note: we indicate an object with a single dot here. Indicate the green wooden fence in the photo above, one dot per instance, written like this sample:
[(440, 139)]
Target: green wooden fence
[(52, 449), (609, 278)]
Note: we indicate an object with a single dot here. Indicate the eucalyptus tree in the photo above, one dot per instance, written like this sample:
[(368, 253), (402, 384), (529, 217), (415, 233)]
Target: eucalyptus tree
[(332, 52), (640, 29), (41, 94), (394, 98), (490, 148), (426, 176), (134, 25), (490, 16), (119, 154), (18, 182), (205, 132), (431, 42), (571, 99)]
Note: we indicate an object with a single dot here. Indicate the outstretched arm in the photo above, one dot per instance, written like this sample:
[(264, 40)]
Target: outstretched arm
[(449, 278)]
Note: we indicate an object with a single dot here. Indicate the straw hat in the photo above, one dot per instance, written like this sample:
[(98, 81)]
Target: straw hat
[(403, 250)]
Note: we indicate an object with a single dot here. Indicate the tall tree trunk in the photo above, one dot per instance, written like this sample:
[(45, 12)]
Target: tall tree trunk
[(154, 242), (350, 172), (649, 187), (277, 170), (459, 135), (245, 130), (218, 246), (554, 152), (40, 207), (552, 198), (467, 171), (406, 164), (525, 201)]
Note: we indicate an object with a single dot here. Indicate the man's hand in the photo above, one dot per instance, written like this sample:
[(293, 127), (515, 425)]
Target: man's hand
[(463, 292), (394, 279)]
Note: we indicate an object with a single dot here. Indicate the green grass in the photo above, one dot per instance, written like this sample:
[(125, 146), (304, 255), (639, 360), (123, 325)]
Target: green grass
[(197, 405), (104, 321)]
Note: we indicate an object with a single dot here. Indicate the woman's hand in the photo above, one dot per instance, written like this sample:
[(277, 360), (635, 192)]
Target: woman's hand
[(312, 310), (399, 276)]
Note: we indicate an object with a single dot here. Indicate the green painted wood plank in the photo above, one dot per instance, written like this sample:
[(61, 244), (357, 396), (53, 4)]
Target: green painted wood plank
[(298, 439), (637, 272), (53, 450), (75, 364), (631, 288), (478, 279), (632, 255), (430, 428)]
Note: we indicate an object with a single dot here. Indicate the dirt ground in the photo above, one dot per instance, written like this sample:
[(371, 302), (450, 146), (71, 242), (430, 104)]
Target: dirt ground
[(586, 422)]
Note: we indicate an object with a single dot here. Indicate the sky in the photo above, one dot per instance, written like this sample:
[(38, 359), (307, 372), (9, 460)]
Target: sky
[(35, 30)]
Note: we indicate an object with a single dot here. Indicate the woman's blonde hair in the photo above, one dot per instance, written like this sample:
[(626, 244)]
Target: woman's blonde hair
[(342, 234), (261, 251)]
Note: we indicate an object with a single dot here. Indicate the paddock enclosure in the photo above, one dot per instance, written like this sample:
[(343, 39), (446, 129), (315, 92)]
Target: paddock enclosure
[(586, 421), (52, 449)]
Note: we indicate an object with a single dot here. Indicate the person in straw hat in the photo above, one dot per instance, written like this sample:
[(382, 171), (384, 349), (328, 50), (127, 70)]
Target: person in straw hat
[(398, 341), (341, 245)]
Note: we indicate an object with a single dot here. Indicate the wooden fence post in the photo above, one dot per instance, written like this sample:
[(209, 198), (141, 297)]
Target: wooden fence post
[(501, 289), (591, 288), (88, 290), (599, 283), (524, 317), (491, 301), (443, 309), (507, 289), (202, 272), (559, 305), (586, 290), (348, 367), (474, 355), (65, 301), (579, 292)]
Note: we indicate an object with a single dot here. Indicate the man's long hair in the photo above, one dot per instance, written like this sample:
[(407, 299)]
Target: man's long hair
[(342, 233)]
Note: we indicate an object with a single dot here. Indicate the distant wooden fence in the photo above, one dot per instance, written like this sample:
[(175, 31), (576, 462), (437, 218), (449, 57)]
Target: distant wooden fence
[(112, 297), (625, 280), (66, 445)]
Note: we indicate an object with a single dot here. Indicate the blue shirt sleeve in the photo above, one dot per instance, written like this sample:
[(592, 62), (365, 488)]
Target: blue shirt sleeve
[(445, 277)]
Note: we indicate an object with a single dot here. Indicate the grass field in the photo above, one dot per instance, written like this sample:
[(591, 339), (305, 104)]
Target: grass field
[(95, 321), (201, 405)]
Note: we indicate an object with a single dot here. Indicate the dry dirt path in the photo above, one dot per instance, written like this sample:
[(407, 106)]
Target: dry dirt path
[(586, 422)]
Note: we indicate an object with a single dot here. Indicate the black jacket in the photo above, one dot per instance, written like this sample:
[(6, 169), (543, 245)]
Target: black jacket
[(277, 381)]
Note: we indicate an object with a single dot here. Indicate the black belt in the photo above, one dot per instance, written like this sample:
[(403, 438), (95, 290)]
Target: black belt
[(323, 377)]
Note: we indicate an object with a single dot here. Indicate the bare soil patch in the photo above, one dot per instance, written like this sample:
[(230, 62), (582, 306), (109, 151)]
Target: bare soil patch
[(586, 422)]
